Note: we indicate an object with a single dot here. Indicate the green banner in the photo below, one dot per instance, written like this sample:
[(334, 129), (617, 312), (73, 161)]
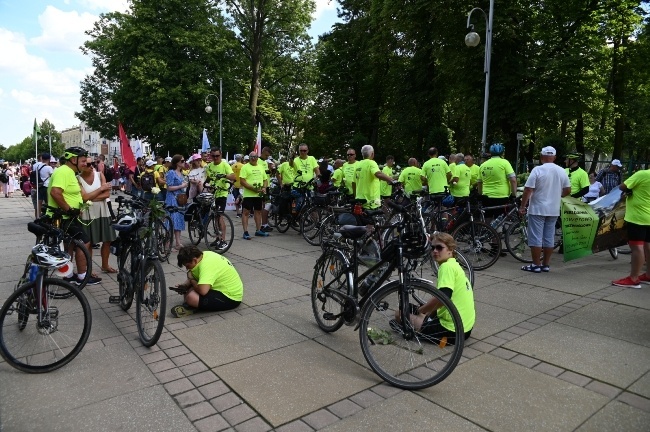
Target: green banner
[(579, 227)]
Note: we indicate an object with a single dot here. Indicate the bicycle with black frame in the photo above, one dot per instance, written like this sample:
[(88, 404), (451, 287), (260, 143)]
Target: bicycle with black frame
[(140, 273), (61, 314), (381, 309), (294, 206)]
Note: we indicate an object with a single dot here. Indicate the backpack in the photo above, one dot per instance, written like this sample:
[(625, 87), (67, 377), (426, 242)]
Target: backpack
[(3, 177), (34, 176), (108, 173), (147, 181)]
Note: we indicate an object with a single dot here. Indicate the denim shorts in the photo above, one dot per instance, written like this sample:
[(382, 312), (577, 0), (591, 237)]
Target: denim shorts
[(541, 231)]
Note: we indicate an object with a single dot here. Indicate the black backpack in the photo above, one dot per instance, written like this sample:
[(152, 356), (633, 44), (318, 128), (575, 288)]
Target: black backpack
[(147, 181), (3, 176), (35, 176), (108, 173)]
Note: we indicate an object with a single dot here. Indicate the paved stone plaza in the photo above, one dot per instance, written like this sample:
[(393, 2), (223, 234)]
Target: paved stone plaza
[(561, 351)]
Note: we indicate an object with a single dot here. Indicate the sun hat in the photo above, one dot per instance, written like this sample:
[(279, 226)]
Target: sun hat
[(195, 156), (617, 163), (548, 151), (168, 159)]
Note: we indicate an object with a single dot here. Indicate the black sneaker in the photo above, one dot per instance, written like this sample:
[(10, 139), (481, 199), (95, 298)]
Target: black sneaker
[(71, 279), (267, 228), (92, 280)]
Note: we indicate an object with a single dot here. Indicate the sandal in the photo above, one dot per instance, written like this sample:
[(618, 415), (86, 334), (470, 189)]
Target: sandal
[(532, 268), (182, 310), (108, 269)]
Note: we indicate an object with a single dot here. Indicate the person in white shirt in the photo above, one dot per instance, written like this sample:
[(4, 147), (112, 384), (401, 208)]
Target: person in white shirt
[(596, 189), (196, 176), (544, 189), (43, 171)]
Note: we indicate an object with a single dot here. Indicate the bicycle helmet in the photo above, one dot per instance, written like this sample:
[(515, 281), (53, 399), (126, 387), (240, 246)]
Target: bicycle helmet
[(74, 152), (448, 201), (50, 257), (125, 223), (497, 149), (573, 155), (205, 198)]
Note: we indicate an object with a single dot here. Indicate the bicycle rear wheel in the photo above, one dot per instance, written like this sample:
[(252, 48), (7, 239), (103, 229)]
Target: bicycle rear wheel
[(396, 352), (282, 222), (217, 240), (330, 280), (195, 229), (517, 242), (37, 347), (151, 300), (460, 258), (479, 242), (164, 236), (311, 223)]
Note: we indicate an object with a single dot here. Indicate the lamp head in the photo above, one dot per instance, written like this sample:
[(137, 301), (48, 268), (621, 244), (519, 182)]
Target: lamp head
[(208, 109), (472, 39)]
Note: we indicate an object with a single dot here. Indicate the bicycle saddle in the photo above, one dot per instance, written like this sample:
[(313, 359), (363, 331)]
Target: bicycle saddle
[(373, 212), (352, 231)]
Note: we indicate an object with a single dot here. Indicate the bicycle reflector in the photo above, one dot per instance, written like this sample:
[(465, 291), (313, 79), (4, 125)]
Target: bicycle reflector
[(357, 210), (65, 271)]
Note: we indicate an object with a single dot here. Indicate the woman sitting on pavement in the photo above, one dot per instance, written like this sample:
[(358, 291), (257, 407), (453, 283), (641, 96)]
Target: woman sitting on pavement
[(431, 319), (212, 284)]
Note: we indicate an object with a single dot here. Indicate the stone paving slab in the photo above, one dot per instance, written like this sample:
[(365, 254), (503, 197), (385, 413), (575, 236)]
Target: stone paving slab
[(617, 416), (642, 386), (494, 393), (298, 316), (586, 353), (522, 298), (297, 380), (272, 289), (226, 341), (404, 412), (345, 341), (632, 297), (494, 319), (606, 318)]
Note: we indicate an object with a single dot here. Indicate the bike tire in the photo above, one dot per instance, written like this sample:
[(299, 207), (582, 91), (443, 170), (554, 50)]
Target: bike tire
[(479, 242), (151, 301), (73, 246), (125, 279), (311, 222), (625, 250), (327, 230), (614, 253), (282, 223), (195, 229), (517, 242), (164, 236), (35, 348), (329, 281), (409, 363), (212, 232)]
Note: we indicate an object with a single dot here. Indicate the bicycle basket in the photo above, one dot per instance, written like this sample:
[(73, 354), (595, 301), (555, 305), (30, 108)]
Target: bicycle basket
[(321, 199), (205, 198), (414, 242)]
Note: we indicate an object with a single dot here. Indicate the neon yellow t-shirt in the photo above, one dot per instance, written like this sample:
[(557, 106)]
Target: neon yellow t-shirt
[(386, 189), (494, 176), (637, 208), (337, 177), (578, 178), (65, 178), (452, 276), (367, 183), (222, 185), (217, 271), (435, 170), (306, 166), (411, 178), (349, 174), (475, 171), (160, 171), (287, 172), (461, 189), (254, 176)]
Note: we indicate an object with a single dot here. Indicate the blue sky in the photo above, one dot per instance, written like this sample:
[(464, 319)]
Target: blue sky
[(41, 65)]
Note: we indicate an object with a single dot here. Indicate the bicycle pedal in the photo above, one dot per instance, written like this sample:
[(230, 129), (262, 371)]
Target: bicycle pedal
[(114, 299), (328, 316)]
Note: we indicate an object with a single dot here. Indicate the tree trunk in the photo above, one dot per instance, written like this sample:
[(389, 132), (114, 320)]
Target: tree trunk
[(580, 136)]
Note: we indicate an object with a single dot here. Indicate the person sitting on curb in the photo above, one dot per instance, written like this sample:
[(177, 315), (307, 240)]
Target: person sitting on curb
[(212, 284)]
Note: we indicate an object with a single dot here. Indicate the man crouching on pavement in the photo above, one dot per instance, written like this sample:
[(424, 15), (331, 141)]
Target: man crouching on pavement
[(212, 284)]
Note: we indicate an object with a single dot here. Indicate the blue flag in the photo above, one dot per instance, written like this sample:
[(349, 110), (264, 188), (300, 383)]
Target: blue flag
[(205, 146)]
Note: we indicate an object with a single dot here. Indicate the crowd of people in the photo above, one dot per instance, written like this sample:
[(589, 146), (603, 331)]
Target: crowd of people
[(76, 179)]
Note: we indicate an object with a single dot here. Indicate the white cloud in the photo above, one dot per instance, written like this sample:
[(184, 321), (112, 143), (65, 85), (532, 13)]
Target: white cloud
[(15, 59), (105, 5), (63, 31), (322, 6)]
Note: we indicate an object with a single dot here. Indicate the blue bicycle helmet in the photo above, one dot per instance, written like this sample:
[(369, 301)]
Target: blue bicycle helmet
[(448, 201), (497, 149)]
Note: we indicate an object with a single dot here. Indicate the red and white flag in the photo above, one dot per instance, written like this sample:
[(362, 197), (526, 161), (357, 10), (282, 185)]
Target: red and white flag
[(125, 149), (258, 141)]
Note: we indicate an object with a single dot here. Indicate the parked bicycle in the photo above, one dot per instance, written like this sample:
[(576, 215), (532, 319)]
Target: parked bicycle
[(394, 350), (207, 222), (140, 273), (45, 322)]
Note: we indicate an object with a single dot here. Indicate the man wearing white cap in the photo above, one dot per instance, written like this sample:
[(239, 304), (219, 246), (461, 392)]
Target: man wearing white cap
[(610, 177), (148, 179), (543, 191)]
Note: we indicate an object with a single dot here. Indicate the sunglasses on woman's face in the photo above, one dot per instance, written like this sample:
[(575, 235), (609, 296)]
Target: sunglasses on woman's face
[(439, 247)]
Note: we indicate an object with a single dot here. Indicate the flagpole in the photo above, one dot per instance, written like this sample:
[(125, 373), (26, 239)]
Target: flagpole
[(220, 113)]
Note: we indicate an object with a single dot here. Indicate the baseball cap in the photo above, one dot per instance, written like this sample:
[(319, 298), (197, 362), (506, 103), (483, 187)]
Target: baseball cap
[(150, 163), (195, 156), (168, 159), (246, 157), (617, 163), (442, 157), (548, 151)]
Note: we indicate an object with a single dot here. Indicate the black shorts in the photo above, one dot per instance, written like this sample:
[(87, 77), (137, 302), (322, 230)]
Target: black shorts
[(215, 301), (252, 203), (235, 193), (220, 203), (74, 229), (491, 202), (637, 234), (432, 328)]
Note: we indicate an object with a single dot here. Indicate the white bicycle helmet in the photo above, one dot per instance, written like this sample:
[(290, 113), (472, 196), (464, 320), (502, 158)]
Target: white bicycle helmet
[(50, 257), (125, 223)]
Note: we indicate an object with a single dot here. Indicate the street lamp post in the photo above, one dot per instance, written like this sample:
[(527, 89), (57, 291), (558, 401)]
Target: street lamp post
[(472, 39), (208, 109), (49, 140)]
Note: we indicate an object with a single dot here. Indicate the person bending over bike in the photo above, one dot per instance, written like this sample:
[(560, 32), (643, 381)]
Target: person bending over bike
[(212, 284), (432, 320)]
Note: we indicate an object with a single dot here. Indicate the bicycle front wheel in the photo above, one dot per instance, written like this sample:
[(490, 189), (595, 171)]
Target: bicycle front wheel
[(216, 239), (517, 242), (397, 353), (37, 346), (151, 301), (124, 278), (195, 229), (164, 236), (328, 287), (479, 242)]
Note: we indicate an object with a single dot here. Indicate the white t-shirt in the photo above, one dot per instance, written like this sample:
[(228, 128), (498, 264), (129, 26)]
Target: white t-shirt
[(547, 180), (594, 190), (45, 173)]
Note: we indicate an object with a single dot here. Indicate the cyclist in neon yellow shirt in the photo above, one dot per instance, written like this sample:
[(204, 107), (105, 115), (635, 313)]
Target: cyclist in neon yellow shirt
[(497, 182), (212, 284), (461, 178), (432, 318), (219, 167), (287, 173), (366, 182), (474, 170), (337, 175), (255, 182), (435, 172), (385, 189), (411, 177), (307, 165), (577, 176), (350, 170)]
